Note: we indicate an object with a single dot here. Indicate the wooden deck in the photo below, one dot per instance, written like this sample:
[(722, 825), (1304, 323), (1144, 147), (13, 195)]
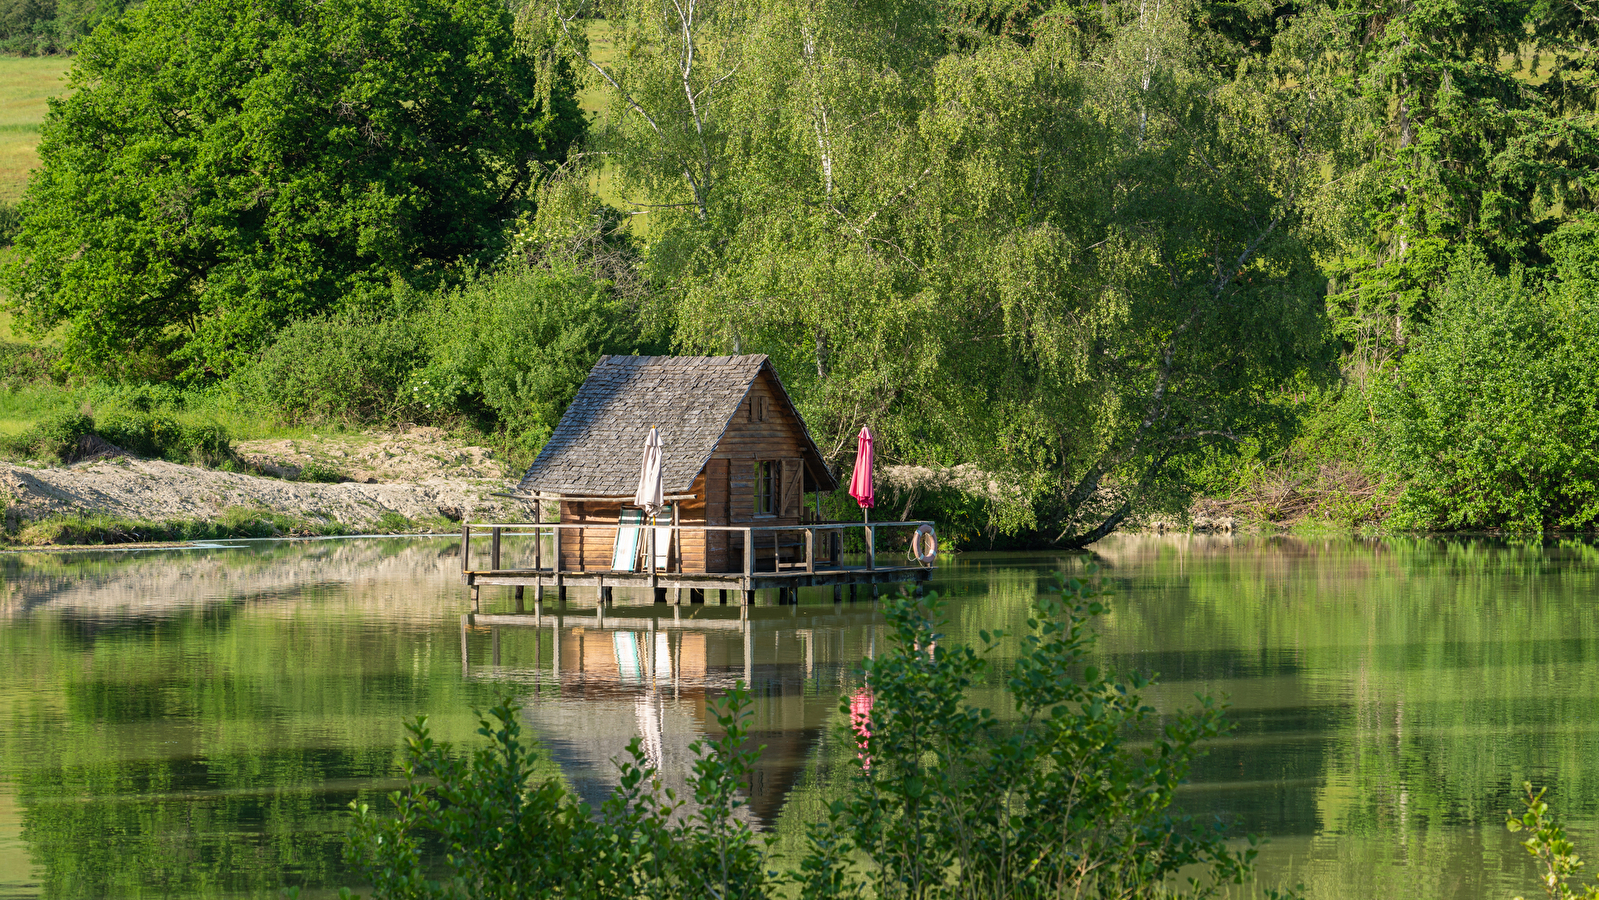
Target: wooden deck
[(799, 556)]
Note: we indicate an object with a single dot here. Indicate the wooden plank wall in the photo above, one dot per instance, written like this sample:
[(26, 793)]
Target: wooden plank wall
[(763, 428), (590, 549)]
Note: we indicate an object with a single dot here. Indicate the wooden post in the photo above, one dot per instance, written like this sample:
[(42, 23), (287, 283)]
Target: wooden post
[(494, 548), (649, 545), (538, 533), (675, 550), (555, 550), (519, 606), (475, 590), (871, 548), (810, 550), (749, 556), (838, 593), (466, 546)]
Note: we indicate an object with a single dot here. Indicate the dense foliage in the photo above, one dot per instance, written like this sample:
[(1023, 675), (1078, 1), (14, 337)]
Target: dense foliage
[(1069, 800), (41, 27), (1075, 263), (222, 169), (507, 349), (1491, 415)]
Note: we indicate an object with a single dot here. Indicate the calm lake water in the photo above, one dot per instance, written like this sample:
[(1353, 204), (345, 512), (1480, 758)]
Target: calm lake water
[(194, 723)]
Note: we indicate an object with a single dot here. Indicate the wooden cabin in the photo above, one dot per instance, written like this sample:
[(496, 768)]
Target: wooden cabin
[(734, 452)]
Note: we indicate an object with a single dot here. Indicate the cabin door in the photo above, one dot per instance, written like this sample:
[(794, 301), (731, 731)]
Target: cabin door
[(792, 494)]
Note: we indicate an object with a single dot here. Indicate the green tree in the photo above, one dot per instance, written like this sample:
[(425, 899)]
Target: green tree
[(943, 223), (222, 168), (1471, 124)]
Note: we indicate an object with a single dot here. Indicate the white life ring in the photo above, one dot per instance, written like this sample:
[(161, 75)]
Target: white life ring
[(930, 553)]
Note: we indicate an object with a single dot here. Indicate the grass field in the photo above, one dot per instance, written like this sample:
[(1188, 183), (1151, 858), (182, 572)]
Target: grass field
[(25, 84)]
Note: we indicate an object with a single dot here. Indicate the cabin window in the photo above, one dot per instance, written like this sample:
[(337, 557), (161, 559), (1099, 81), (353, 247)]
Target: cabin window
[(766, 488), (757, 409)]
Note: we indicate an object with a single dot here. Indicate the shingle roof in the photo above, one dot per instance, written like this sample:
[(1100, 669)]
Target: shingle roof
[(595, 450)]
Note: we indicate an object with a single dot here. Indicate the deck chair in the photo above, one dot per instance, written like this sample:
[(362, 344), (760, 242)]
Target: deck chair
[(624, 555)]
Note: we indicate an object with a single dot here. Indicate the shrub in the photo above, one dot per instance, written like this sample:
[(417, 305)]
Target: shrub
[(55, 437), (1071, 799), (944, 799), (1547, 843), (346, 367), (155, 435), (514, 346), (160, 436), (22, 364), (319, 473), (1490, 416), (509, 834)]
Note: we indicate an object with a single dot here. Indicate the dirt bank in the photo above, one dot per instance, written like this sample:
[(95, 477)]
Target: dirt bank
[(421, 475)]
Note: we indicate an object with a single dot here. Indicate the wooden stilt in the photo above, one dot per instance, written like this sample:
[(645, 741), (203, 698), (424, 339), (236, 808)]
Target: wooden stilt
[(519, 590), (475, 591), (838, 593)]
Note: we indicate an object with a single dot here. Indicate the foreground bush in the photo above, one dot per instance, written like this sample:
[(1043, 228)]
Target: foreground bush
[(505, 835), (1069, 799), (1546, 842)]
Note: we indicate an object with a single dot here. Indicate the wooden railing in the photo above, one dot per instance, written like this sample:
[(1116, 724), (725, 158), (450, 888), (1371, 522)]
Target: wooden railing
[(753, 535)]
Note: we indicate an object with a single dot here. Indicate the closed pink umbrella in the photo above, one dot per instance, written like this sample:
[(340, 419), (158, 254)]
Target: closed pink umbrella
[(860, 483)]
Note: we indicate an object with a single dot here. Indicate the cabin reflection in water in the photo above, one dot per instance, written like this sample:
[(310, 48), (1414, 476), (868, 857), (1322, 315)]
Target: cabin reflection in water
[(589, 684)]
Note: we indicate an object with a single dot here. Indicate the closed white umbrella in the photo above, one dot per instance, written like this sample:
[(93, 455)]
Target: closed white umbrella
[(649, 494)]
